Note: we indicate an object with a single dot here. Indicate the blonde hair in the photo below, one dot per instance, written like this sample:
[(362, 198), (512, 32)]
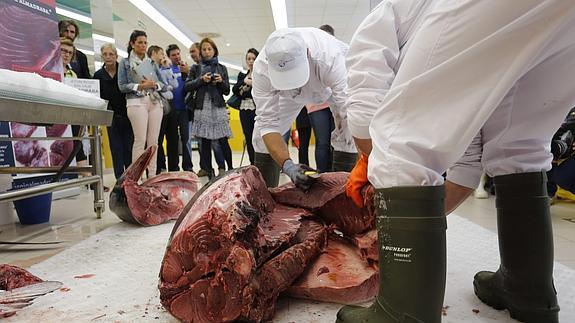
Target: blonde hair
[(67, 41), (109, 46)]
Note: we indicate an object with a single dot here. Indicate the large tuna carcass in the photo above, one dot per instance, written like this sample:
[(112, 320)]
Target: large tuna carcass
[(234, 249), (157, 200)]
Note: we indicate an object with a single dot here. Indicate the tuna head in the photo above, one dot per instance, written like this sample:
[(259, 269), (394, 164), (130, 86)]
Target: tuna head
[(157, 200), (118, 200)]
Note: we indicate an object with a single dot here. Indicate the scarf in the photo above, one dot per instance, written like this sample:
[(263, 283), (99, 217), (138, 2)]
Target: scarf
[(211, 66)]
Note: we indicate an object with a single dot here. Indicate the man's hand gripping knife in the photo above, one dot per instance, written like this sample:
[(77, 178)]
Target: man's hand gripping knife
[(357, 180), (301, 175)]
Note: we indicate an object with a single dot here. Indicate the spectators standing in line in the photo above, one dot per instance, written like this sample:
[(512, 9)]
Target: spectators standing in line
[(67, 51), (142, 81), (177, 120), (209, 81), (219, 155), (243, 89), (303, 128), (120, 133), (156, 54), (79, 63)]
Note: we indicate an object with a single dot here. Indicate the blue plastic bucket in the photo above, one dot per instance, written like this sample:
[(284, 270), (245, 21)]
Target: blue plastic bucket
[(34, 210)]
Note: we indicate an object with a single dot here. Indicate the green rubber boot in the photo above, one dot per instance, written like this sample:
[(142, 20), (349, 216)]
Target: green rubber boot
[(524, 282), (412, 258), (268, 168)]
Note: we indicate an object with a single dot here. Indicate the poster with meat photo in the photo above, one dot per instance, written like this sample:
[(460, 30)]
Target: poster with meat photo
[(29, 37), (30, 43), (40, 153), (60, 149), (29, 153)]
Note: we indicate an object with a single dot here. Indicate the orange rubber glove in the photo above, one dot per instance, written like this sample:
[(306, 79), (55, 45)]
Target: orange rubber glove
[(357, 180)]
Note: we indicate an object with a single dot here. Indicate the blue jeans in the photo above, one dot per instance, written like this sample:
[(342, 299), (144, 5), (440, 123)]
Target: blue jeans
[(322, 124), (176, 131), (121, 138), (206, 154)]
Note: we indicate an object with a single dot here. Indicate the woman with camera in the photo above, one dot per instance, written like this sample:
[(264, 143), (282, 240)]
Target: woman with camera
[(209, 80), (141, 80), (243, 89)]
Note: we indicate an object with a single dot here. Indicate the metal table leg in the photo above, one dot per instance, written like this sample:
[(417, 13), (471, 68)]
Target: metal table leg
[(99, 205)]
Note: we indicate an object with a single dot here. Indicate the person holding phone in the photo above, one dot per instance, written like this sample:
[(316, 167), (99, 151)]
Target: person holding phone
[(210, 82), (176, 122)]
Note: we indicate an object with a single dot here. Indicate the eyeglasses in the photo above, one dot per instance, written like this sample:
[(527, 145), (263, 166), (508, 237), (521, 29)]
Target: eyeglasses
[(65, 51)]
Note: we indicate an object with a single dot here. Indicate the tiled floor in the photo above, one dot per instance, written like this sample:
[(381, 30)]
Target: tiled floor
[(73, 220)]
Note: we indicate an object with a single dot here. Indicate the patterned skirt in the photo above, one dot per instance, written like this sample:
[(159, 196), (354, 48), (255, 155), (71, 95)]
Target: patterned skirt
[(211, 122)]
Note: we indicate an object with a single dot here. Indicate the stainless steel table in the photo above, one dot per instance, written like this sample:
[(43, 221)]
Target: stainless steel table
[(49, 113)]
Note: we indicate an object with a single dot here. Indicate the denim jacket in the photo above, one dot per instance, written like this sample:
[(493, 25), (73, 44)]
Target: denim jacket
[(127, 82)]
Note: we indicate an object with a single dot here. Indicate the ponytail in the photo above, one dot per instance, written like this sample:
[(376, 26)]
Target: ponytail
[(135, 34)]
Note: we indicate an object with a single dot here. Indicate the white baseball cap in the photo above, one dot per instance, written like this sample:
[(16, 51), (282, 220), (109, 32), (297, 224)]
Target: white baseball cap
[(288, 65)]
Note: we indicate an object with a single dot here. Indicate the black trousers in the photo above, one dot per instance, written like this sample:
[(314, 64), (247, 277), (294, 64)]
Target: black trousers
[(80, 156), (121, 138), (303, 127), (247, 119), (161, 155), (177, 132)]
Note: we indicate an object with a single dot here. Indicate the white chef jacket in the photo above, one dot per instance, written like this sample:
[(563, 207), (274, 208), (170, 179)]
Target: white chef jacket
[(375, 54), (502, 67), (276, 110)]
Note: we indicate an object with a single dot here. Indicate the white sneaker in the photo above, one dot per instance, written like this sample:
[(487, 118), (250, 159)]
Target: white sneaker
[(480, 194)]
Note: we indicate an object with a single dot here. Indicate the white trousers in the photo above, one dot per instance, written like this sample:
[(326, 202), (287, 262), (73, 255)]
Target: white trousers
[(146, 119), (505, 67)]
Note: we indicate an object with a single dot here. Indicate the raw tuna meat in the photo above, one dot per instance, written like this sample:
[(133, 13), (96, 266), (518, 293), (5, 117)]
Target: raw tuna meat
[(367, 244), (234, 249), (155, 201), (24, 48), (221, 246), (12, 277), (339, 275), (327, 199)]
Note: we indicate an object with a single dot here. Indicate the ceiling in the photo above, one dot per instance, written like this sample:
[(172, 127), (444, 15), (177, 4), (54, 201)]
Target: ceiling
[(237, 24)]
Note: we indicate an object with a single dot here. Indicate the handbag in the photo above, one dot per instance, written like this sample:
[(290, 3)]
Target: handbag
[(234, 102), (165, 105)]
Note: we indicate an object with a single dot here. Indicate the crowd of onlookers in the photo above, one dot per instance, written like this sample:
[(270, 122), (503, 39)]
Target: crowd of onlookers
[(138, 87)]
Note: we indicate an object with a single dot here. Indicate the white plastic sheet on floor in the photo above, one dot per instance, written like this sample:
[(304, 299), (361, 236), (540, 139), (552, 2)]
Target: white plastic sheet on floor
[(125, 261)]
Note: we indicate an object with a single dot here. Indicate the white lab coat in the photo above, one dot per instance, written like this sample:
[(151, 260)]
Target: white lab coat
[(506, 66), (374, 56), (276, 110)]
